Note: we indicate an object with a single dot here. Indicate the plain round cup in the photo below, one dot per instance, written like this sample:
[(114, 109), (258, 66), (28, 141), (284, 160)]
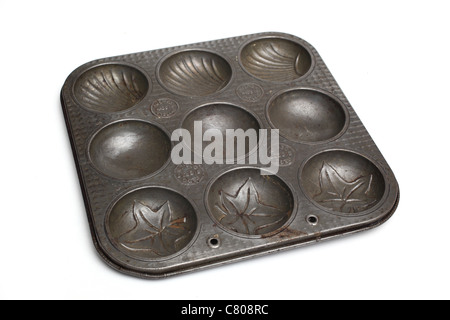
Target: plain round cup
[(151, 223), (111, 88), (248, 204), (342, 182), (276, 59), (129, 149), (307, 116), (194, 73), (223, 117)]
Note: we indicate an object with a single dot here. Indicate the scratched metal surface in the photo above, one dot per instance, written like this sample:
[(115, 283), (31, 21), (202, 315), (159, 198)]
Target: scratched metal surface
[(151, 218)]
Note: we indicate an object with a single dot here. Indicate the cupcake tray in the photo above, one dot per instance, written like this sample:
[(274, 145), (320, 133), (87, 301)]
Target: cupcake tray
[(151, 218)]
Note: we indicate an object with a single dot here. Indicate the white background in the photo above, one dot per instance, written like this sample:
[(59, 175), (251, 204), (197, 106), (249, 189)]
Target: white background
[(391, 59)]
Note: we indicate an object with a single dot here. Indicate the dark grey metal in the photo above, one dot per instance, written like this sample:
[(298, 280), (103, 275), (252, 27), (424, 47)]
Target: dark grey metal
[(129, 149), (151, 218)]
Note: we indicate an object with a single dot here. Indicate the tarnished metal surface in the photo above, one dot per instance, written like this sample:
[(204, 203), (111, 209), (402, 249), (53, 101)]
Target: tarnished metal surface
[(151, 218)]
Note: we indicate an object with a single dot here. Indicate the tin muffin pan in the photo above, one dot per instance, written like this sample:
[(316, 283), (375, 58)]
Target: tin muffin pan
[(151, 218)]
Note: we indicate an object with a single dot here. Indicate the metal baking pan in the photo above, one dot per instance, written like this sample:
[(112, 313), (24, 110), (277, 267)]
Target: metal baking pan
[(152, 218)]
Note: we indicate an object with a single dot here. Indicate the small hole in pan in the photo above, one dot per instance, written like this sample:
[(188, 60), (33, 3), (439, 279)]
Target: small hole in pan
[(214, 242), (312, 220)]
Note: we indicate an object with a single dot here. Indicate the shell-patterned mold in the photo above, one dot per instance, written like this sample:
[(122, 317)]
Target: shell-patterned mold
[(111, 88), (275, 59), (194, 73)]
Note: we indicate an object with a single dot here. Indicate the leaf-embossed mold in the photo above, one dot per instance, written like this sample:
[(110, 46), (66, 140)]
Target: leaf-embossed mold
[(343, 182), (276, 59), (249, 204), (129, 149), (111, 88), (151, 223), (194, 73), (307, 115)]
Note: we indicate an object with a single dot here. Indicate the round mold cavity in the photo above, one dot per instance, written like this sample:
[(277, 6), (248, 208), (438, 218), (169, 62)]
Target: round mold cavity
[(248, 204), (111, 88), (223, 117), (129, 149), (276, 59), (307, 116), (342, 182), (194, 73), (151, 223)]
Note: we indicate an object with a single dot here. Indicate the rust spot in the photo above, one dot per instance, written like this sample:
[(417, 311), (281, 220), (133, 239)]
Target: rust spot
[(286, 234), (318, 236)]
